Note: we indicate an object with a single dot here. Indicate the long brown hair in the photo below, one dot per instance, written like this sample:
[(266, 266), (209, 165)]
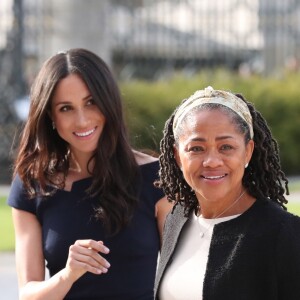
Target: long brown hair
[(43, 153)]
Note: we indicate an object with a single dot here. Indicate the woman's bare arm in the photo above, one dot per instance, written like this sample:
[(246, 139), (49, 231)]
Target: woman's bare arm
[(83, 257)]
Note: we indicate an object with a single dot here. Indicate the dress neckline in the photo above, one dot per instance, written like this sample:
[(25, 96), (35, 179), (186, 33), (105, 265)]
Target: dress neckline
[(78, 182)]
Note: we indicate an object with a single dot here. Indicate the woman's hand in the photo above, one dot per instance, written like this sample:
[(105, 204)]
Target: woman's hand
[(84, 256)]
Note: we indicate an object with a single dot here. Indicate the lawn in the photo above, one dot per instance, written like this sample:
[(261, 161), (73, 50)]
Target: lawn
[(7, 232), (294, 208)]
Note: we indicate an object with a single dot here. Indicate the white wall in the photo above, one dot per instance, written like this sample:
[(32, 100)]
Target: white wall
[(77, 23)]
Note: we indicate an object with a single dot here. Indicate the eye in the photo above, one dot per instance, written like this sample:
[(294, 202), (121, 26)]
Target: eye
[(226, 147), (90, 102), (65, 108), (195, 149)]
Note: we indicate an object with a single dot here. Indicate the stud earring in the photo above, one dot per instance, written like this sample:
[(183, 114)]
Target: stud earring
[(246, 165), (53, 125)]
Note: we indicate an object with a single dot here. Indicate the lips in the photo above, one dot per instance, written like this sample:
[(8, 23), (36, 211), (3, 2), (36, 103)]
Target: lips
[(214, 177), (86, 133)]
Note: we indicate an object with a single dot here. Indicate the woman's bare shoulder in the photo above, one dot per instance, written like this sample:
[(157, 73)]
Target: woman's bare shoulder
[(143, 158)]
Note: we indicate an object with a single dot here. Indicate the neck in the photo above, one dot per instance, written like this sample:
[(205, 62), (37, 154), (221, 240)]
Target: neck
[(240, 204), (79, 165)]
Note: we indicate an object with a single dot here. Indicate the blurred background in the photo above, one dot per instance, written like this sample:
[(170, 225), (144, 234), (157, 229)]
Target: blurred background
[(160, 51)]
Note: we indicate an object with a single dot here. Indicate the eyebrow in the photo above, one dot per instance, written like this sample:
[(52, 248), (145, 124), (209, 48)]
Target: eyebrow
[(219, 138), (68, 102)]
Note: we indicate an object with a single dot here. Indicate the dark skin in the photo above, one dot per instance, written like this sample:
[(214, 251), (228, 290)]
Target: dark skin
[(212, 155), (262, 178)]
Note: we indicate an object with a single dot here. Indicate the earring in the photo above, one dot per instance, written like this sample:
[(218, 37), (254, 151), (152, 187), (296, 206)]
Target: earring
[(53, 125), (246, 165)]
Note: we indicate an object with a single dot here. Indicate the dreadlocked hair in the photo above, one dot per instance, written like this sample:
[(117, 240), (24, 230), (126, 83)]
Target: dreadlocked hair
[(171, 178), (263, 178)]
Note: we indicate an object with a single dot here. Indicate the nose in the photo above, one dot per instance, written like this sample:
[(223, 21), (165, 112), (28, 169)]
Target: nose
[(212, 159), (82, 118)]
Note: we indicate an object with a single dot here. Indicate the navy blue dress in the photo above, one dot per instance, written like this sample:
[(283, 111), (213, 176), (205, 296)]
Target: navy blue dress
[(68, 216)]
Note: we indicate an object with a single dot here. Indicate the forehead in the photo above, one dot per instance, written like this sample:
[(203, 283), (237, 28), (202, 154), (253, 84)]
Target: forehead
[(207, 122), (70, 85), (72, 80)]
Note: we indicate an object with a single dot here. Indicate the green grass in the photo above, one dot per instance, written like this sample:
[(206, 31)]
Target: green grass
[(294, 208), (7, 238)]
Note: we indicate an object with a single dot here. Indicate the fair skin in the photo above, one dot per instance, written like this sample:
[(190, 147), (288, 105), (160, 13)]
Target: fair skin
[(212, 155), (79, 122)]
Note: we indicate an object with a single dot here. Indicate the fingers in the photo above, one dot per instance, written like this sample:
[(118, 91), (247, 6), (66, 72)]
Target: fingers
[(84, 256), (87, 251), (95, 245)]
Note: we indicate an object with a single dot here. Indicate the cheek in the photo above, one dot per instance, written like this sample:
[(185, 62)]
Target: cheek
[(101, 118), (62, 124), (189, 167), (239, 169), (96, 112), (64, 127)]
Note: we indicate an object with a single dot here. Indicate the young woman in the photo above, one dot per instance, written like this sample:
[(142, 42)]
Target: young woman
[(229, 235), (83, 201)]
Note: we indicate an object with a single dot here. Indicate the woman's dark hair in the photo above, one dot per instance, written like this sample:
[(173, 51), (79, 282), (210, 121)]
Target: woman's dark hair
[(263, 178), (43, 153)]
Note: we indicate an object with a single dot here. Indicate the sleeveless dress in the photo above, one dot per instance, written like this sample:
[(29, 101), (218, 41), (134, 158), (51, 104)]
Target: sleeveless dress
[(68, 216)]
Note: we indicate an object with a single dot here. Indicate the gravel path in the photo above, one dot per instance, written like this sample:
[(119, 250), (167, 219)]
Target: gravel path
[(8, 277)]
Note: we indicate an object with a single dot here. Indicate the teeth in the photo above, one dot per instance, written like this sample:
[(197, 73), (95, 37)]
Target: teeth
[(214, 177), (82, 134)]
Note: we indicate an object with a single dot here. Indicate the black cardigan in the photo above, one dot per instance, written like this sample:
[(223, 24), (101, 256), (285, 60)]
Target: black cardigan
[(255, 256)]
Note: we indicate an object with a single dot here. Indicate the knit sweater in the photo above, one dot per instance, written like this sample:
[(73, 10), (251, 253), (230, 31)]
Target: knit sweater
[(255, 256)]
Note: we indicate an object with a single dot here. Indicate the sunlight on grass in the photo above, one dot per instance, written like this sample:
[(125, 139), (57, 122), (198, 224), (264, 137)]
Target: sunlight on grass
[(294, 208), (7, 240)]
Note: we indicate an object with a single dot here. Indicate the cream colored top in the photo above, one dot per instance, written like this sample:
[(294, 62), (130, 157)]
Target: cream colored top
[(184, 278)]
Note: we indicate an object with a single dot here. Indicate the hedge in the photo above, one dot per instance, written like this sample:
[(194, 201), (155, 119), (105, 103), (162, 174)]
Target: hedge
[(149, 104)]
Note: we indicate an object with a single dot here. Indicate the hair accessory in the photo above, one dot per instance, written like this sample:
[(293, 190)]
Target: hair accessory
[(209, 95), (208, 91), (53, 125)]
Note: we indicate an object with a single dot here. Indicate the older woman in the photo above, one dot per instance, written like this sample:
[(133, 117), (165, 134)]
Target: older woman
[(229, 235)]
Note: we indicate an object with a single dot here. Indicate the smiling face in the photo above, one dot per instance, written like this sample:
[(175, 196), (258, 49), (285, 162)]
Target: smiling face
[(77, 118), (212, 155)]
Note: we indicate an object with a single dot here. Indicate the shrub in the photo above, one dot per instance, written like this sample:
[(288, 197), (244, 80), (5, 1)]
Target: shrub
[(149, 104)]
